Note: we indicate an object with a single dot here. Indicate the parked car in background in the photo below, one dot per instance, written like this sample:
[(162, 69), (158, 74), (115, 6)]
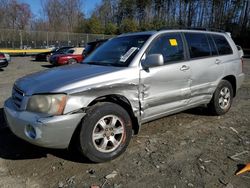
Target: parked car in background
[(91, 46), (46, 55), (4, 60), (7, 56), (71, 56)]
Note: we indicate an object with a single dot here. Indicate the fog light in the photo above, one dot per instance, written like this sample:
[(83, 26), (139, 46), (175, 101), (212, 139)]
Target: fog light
[(30, 131)]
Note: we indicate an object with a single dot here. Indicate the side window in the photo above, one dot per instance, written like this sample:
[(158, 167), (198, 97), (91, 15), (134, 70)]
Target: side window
[(197, 44), (212, 45), (170, 46), (222, 45), (70, 51)]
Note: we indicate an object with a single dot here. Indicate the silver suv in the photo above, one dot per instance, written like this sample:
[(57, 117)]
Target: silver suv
[(129, 80)]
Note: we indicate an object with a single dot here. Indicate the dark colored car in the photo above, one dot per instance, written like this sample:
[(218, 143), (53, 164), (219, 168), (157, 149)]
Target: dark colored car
[(46, 55), (3, 61), (91, 46)]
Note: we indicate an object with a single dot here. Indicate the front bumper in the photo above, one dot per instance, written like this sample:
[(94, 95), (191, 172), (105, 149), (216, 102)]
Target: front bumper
[(50, 132)]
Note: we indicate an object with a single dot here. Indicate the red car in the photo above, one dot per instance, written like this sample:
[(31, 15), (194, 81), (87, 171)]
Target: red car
[(71, 56)]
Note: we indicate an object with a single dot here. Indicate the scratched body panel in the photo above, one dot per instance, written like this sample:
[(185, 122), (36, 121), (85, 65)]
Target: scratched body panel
[(164, 89), (84, 92)]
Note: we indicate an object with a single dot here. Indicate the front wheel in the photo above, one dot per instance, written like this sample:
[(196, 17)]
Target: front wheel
[(72, 61), (222, 98), (105, 133)]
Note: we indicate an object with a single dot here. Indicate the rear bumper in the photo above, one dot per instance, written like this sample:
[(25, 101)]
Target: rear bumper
[(50, 132)]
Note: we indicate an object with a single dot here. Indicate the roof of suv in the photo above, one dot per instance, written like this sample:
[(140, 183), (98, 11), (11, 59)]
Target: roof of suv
[(139, 33), (172, 30)]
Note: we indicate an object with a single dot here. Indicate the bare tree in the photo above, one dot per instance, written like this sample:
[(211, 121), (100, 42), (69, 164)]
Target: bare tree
[(62, 14), (14, 15), (54, 11), (72, 10), (245, 15)]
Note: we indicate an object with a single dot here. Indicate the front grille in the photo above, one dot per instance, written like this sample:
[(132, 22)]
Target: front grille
[(17, 96)]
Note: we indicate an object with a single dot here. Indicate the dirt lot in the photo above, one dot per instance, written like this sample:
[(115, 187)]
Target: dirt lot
[(189, 149)]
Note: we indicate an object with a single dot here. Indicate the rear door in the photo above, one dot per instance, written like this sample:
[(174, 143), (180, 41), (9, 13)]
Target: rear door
[(207, 67)]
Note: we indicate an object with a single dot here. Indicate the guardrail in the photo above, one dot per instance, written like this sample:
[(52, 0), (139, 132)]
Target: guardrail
[(24, 51)]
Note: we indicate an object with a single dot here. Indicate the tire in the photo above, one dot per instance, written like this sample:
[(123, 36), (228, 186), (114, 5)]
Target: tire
[(100, 139), (47, 57), (72, 61), (222, 98)]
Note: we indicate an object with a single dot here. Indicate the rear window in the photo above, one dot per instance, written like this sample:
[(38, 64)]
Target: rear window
[(222, 45), (197, 44)]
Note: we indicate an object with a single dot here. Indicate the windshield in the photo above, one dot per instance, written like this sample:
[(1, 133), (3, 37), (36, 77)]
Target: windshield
[(61, 50), (118, 51)]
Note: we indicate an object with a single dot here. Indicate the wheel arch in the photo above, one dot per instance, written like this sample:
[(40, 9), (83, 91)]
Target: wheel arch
[(124, 103), (113, 98), (232, 80), (72, 58)]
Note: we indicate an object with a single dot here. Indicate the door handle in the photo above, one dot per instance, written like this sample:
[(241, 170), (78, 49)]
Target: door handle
[(217, 61), (184, 67)]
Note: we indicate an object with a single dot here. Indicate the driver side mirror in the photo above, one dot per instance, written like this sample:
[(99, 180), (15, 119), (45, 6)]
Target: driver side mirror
[(153, 60)]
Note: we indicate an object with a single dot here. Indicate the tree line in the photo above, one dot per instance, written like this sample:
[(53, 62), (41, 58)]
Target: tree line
[(119, 16), (133, 15)]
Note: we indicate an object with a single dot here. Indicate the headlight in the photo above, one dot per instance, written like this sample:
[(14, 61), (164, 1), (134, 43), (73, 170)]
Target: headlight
[(49, 104)]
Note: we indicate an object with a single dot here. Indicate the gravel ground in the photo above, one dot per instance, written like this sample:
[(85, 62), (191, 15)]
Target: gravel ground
[(189, 149)]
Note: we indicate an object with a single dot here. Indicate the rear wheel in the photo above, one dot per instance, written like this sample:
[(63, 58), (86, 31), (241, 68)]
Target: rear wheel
[(222, 98), (72, 61), (47, 57), (105, 133)]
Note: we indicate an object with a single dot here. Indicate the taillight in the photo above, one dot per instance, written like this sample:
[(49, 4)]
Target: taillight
[(2, 56)]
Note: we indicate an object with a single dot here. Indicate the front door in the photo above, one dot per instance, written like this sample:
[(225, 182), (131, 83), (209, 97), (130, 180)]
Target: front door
[(165, 89)]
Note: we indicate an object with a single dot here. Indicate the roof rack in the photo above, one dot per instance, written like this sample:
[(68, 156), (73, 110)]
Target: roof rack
[(193, 28)]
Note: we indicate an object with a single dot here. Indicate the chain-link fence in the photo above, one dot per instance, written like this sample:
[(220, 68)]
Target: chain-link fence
[(21, 39)]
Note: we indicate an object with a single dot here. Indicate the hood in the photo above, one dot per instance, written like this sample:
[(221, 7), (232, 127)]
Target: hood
[(56, 79)]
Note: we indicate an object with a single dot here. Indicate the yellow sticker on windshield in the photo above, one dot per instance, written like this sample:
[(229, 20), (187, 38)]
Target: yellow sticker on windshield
[(173, 42)]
